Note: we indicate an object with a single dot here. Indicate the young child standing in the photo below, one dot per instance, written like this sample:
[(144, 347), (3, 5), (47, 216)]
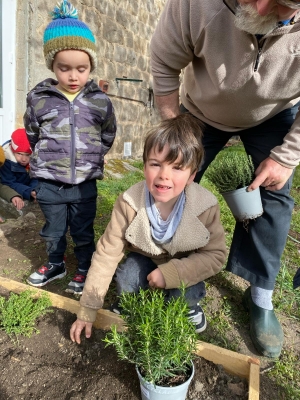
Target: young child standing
[(15, 171), (170, 226), (71, 125)]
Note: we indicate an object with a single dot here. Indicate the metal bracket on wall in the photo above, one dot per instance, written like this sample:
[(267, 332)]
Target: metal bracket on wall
[(127, 79), (148, 104)]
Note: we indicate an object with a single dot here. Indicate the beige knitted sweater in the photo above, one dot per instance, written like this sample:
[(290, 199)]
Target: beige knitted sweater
[(231, 81)]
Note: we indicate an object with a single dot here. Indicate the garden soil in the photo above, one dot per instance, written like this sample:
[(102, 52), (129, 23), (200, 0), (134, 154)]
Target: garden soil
[(49, 366)]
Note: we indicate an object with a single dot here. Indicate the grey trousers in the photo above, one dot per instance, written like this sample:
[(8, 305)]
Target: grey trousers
[(131, 276)]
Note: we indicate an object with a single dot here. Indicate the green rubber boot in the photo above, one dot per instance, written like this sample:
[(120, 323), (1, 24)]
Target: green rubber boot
[(265, 329)]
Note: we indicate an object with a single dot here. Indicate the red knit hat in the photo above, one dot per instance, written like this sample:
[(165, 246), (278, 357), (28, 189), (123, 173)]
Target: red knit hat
[(19, 141)]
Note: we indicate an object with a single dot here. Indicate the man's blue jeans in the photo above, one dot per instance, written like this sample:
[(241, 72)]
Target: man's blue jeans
[(66, 206), (255, 253), (131, 276)]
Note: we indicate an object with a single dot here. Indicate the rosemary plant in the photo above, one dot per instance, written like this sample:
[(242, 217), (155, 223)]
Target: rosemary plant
[(159, 338), (232, 171)]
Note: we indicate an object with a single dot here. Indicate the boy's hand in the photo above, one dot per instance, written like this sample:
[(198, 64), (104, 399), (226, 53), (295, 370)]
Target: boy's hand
[(17, 202), (156, 279), (33, 195), (76, 329)]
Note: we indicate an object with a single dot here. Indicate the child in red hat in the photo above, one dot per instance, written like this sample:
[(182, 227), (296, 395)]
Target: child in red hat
[(15, 171), (6, 192)]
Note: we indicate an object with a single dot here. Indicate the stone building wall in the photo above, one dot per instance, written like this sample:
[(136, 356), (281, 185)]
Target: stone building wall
[(123, 29)]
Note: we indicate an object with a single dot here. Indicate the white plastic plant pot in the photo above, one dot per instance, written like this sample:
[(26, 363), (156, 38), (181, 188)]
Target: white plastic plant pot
[(244, 205), (155, 392)]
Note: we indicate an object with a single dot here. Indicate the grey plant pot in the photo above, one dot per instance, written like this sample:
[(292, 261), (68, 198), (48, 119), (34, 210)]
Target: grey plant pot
[(151, 392), (244, 205)]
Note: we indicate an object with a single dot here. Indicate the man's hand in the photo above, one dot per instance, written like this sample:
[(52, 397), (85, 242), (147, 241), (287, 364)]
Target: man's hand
[(156, 279), (33, 194), (76, 329), (271, 175), (17, 202)]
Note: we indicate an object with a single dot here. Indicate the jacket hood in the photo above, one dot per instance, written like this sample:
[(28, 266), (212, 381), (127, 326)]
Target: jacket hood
[(9, 155)]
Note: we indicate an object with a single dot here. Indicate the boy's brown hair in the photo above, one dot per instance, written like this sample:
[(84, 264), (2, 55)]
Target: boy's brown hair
[(183, 136)]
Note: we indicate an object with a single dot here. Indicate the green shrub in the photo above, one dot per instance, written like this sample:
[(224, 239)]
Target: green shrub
[(18, 313), (233, 170)]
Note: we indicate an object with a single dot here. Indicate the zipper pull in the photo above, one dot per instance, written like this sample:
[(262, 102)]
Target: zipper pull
[(257, 59), (71, 114)]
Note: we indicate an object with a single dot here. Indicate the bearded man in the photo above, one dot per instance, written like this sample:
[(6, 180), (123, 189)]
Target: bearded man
[(241, 62)]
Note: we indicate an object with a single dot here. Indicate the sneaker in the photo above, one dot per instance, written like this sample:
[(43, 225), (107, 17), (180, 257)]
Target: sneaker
[(197, 316), (77, 284), (47, 273), (115, 307)]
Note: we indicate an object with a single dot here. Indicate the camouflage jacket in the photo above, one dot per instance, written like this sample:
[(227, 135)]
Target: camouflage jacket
[(68, 139)]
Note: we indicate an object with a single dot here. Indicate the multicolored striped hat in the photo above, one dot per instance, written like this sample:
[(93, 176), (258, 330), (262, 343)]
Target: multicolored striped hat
[(67, 32)]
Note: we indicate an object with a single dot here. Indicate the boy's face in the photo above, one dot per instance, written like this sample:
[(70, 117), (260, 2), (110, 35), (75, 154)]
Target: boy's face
[(166, 181), (71, 68), (22, 158)]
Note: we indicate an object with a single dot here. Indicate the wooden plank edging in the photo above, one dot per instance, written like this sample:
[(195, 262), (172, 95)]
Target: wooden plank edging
[(254, 382), (233, 362), (104, 319)]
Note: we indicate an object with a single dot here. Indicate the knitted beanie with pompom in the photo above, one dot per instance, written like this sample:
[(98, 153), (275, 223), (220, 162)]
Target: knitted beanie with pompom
[(67, 32)]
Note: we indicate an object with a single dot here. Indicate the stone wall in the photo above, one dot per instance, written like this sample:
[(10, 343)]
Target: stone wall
[(123, 29)]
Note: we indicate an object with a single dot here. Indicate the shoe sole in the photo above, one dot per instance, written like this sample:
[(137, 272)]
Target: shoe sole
[(115, 311), (73, 291), (202, 329), (48, 281)]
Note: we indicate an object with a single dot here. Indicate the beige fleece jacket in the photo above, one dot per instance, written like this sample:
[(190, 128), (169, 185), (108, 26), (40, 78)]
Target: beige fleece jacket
[(230, 81), (196, 251)]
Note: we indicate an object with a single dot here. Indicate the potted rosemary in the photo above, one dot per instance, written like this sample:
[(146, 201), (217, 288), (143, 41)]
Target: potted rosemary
[(231, 174), (160, 340)]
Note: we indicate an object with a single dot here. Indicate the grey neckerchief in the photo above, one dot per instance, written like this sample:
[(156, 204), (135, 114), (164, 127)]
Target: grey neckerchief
[(163, 231)]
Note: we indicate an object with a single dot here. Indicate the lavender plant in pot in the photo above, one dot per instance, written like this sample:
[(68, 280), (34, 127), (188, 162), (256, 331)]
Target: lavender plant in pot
[(160, 340), (231, 174)]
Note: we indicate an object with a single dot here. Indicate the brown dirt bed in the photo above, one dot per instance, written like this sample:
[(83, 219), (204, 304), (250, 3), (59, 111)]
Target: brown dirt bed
[(49, 366)]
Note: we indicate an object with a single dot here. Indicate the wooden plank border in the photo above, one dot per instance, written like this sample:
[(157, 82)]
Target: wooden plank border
[(104, 318), (234, 363)]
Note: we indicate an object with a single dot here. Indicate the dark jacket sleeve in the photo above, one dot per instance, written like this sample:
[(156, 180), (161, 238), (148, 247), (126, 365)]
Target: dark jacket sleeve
[(30, 123), (8, 178), (108, 129)]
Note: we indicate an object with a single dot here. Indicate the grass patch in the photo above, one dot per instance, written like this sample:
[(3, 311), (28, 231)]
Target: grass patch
[(286, 373), (285, 299), (220, 324), (18, 313), (227, 218), (109, 189)]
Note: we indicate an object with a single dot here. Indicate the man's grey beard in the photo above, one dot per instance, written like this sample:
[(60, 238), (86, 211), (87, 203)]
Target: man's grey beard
[(247, 19)]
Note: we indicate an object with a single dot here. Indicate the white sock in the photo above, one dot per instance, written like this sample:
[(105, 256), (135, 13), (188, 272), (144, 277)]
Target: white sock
[(262, 297)]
